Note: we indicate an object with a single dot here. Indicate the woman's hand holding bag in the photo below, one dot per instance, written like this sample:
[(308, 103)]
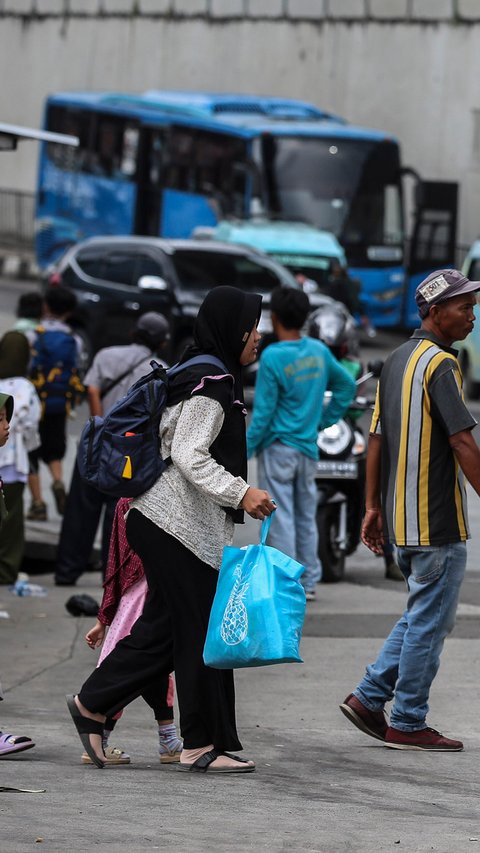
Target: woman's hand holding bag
[(259, 608)]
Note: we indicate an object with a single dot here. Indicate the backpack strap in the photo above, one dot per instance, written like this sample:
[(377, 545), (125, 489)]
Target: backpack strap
[(197, 359), (114, 382)]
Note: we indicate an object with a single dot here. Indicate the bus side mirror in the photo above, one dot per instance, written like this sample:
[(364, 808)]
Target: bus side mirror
[(152, 282)]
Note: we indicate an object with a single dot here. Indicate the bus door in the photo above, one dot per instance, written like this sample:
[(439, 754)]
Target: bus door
[(189, 177), (433, 241)]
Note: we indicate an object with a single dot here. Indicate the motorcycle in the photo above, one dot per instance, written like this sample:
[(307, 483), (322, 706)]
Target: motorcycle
[(341, 469)]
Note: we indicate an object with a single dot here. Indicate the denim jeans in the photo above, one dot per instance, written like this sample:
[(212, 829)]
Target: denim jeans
[(410, 657), (289, 476)]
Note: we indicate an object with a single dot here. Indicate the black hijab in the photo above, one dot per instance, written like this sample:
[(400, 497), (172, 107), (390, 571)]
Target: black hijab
[(14, 355), (225, 319)]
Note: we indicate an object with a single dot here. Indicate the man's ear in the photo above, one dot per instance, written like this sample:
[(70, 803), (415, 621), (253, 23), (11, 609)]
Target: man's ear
[(434, 314)]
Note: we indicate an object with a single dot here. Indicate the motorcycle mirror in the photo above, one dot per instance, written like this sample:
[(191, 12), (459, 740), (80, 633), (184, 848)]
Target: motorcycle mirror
[(375, 367)]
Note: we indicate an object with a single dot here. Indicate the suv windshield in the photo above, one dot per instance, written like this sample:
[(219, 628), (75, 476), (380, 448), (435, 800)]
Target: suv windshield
[(197, 270)]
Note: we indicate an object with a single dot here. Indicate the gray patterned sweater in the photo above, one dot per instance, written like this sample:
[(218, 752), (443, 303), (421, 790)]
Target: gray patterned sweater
[(187, 500)]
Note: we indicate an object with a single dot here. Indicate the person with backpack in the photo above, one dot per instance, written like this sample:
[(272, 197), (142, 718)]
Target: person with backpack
[(112, 372), (179, 528), (54, 372)]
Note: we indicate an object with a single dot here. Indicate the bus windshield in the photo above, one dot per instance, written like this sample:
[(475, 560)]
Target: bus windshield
[(350, 187)]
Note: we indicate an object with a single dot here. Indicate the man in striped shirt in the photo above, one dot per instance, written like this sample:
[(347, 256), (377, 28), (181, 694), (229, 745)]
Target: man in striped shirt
[(420, 443)]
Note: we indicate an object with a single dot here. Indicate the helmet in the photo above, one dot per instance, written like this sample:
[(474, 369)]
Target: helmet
[(334, 325)]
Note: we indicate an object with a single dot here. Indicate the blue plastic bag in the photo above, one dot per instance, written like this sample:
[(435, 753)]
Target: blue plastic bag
[(258, 610)]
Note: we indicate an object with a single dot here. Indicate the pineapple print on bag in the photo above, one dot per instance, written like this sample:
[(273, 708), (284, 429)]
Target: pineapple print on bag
[(234, 626)]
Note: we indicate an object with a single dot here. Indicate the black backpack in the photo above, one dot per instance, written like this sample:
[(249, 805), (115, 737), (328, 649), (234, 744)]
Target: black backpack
[(120, 453)]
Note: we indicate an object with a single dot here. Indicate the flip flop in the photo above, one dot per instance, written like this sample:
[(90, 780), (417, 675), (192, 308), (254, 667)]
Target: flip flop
[(12, 743), (85, 727), (113, 756), (202, 764), (7, 789)]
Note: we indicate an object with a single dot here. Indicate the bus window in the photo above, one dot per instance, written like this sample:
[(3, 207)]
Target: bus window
[(108, 145), (76, 123), (114, 152), (210, 164)]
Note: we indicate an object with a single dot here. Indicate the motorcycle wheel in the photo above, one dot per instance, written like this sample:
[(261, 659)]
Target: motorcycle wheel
[(332, 557)]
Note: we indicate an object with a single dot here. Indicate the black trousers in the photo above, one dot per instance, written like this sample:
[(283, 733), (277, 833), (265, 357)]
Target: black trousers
[(12, 537), (79, 526), (169, 635)]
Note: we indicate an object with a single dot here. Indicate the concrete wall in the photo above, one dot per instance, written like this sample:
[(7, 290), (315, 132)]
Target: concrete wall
[(407, 66)]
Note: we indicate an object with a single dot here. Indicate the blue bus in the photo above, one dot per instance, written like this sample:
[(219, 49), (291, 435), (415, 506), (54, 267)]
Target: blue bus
[(164, 163)]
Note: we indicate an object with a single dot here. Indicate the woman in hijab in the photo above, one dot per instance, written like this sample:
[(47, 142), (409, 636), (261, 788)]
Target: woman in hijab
[(179, 528), (24, 436)]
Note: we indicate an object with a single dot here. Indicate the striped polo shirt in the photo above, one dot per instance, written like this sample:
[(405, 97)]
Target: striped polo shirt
[(419, 405)]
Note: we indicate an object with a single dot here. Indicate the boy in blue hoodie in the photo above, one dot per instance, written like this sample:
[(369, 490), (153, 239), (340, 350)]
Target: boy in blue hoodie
[(288, 411)]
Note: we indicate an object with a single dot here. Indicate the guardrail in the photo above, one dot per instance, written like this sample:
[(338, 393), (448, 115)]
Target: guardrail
[(17, 220)]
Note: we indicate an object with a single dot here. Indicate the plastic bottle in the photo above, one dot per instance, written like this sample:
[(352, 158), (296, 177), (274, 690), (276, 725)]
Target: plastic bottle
[(24, 588)]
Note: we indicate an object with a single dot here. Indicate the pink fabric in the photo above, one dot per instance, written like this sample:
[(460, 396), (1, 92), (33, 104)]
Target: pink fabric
[(124, 592), (124, 567), (213, 378), (129, 609)]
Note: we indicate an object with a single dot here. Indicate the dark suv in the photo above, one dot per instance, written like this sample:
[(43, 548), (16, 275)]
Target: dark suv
[(116, 279)]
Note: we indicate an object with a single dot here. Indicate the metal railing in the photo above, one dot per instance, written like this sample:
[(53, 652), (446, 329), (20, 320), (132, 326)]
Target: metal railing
[(17, 220)]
